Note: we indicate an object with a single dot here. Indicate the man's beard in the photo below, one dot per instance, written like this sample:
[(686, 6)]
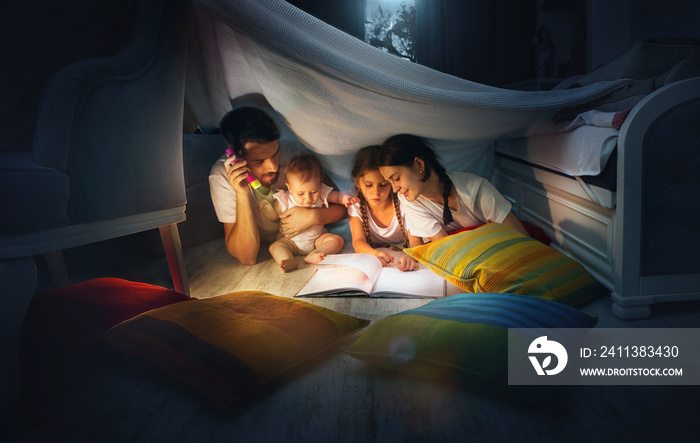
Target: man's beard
[(268, 183)]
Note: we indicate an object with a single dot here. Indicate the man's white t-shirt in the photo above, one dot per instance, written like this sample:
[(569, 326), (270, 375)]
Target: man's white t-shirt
[(478, 201), (223, 196)]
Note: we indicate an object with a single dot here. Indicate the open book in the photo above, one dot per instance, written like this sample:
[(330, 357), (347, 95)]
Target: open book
[(363, 274)]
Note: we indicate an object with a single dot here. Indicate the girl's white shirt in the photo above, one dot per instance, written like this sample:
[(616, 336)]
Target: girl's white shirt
[(391, 234)]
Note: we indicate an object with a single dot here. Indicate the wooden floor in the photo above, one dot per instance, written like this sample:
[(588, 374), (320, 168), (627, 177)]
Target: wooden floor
[(335, 398)]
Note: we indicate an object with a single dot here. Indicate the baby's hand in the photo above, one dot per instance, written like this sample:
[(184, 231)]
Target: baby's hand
[(349, 200), (265, 207), (407, 263)]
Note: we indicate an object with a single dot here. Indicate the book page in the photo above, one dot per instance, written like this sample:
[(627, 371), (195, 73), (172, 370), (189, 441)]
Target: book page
[(420, 283), (336, 281), (370, 265)]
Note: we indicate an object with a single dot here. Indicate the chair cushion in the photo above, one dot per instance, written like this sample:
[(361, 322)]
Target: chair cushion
[(37, 195), (223, 347), (497, 258)]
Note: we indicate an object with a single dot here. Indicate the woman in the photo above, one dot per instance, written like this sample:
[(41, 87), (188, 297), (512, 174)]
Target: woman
[(438, 202)]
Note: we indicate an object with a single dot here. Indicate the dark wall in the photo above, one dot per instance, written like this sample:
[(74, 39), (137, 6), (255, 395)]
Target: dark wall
[(346, 15), (483, 41), (37, 39), (487, 42)]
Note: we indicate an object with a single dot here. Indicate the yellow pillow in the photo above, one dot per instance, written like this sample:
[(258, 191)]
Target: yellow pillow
[(223, 347), (497, 258)]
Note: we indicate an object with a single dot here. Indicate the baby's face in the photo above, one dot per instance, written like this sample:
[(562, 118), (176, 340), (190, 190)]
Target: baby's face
[(304, 193)]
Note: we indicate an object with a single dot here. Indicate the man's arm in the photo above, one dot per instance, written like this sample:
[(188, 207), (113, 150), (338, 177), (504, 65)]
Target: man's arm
[(242, 238), (297, 219)]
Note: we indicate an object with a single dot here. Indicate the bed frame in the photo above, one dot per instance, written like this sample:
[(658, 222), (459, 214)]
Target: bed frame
[(642, 240)]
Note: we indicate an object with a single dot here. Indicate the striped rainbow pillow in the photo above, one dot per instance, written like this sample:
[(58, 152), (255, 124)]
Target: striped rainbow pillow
[(497, 258), (463, 338)]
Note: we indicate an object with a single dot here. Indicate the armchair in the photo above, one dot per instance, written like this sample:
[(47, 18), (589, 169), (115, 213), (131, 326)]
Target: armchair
[(106, 161)]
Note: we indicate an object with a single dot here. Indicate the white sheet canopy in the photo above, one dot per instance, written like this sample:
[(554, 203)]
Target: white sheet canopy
[(338, 94)]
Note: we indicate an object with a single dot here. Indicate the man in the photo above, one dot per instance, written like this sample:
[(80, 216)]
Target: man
[(254, 139)]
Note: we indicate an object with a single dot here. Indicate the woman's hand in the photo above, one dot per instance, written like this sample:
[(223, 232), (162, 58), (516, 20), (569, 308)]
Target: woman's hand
[(407, 263)]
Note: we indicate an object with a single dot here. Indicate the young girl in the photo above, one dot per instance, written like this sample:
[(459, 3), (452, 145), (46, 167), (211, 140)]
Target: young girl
[(438, 202), (377, 220), (303, 177)]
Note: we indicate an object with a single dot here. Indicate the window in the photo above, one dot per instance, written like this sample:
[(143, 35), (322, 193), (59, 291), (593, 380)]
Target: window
[(391, 26)]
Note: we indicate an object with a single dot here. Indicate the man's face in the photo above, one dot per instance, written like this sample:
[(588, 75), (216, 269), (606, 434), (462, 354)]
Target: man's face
[(263, 161)]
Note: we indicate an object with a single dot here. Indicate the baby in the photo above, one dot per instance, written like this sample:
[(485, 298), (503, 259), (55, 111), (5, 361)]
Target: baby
[(303, 177)]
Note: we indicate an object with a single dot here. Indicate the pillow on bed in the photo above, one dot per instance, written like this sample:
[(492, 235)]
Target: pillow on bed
[(463, 338), (497, 258), (223, 347)]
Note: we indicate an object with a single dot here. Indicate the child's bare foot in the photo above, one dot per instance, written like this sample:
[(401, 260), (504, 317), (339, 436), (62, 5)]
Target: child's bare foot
[(314, 257), (288, 265)]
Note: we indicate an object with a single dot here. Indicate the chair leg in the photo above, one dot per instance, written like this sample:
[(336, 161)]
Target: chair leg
[(57, 268), (173, 252), (18, 278)]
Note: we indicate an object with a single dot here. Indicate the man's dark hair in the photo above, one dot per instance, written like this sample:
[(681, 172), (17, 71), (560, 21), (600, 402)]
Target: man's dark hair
[(247, 124)]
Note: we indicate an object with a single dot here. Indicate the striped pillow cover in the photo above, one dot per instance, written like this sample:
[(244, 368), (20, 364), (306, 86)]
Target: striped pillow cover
[(497, 258), (225, 346), (463, 338)]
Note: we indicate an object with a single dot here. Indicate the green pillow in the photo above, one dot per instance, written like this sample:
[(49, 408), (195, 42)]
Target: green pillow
[(223, 347), (497, 258), (463, 338)]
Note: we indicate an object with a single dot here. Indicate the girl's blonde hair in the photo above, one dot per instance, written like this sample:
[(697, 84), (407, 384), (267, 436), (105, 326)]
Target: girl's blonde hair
[(367, 159)]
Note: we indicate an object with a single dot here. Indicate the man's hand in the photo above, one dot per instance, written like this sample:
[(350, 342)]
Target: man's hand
[(297, 219), (236, 174)]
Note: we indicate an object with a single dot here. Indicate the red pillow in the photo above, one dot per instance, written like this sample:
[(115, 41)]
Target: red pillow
[(70, 316), (60, 328)]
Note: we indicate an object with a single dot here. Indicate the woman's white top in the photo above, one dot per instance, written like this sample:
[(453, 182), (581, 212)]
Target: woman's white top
[(478, 202)]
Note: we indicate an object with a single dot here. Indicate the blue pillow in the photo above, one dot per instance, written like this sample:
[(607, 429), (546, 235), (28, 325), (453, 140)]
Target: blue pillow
[(463, 338)]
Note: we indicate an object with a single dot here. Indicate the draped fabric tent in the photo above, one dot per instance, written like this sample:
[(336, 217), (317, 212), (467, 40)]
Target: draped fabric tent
[(337, 93)]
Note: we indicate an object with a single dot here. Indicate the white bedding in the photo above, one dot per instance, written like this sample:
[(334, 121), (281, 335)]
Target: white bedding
[(578, 147), (582, 151)]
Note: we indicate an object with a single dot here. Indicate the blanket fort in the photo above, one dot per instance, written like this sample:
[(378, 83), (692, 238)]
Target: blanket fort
[(338, 93)]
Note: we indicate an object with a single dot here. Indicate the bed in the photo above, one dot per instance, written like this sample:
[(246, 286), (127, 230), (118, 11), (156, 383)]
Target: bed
[(626, 211)]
